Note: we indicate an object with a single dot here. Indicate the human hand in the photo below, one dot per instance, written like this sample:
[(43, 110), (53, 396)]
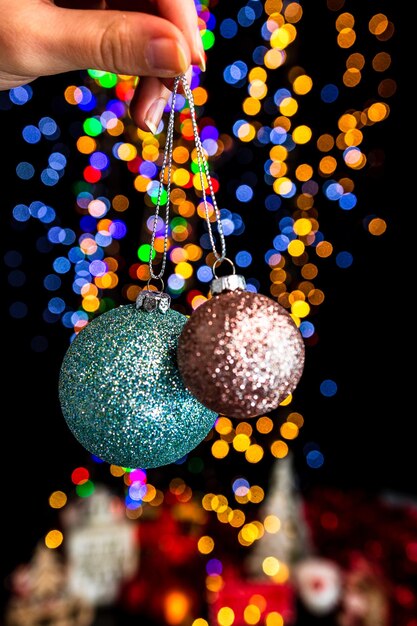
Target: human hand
[(155, 39)]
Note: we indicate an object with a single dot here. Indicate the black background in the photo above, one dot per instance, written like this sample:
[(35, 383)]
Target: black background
[(364, 327)]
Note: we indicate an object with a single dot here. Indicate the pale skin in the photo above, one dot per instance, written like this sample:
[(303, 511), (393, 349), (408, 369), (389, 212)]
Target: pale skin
[(154, 39)]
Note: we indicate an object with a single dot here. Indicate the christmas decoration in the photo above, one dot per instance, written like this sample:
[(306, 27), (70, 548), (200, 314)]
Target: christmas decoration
[(319, 584), (252, 602), (101, 547), (283, 510), (41, 595), (240, 354), (121, 393)]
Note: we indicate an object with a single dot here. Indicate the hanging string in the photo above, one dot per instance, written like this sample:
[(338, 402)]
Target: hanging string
[(205, 181)]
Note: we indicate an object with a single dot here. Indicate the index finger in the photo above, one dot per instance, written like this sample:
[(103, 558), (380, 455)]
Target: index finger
[(186, 20)]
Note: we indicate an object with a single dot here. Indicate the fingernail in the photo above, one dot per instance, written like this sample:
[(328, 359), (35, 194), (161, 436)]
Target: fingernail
[(166, 57), (201, 54), (154, 115)]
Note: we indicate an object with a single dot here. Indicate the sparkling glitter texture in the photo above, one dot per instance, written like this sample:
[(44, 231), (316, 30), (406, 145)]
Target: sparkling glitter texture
[(241, 354), (121, 392)]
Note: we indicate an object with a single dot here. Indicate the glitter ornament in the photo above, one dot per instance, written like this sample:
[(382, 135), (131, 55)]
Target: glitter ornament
[(240, 352), (121, 392)]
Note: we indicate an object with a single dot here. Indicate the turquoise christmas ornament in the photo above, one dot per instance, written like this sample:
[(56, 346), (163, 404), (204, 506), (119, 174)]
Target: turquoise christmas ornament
[(121, 392)]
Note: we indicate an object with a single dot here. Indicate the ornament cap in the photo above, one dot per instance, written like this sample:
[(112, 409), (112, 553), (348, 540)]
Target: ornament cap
[(150, 301), (233, 282)]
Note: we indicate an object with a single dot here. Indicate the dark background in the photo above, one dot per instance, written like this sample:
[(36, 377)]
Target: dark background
[(363, 326)]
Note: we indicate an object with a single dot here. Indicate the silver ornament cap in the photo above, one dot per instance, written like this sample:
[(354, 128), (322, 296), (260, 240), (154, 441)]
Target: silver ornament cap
[(150, 301), (233, 282)]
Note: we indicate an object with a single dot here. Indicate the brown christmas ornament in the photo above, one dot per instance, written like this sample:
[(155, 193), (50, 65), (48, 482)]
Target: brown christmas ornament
[(240, 353)]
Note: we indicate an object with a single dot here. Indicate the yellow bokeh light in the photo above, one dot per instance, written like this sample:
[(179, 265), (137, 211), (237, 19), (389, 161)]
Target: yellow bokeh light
[(352, 77), (301, 134), (246, 132), (346, 38), (57, 499), (378, 112), (272, 524), (184, 269), (274, 58), (220, 449), (258, 89), (150, 493), (251, 614), (293, 12), (300, 308), (288, 106), (200, 622), (273, 6), (345, 20), (296, 248), (180, 155), (378, 24), (327, 165), (280, 38), (377, 226), (219, 503), (91, 304), (214, 582), (356, 60), (126, 152), (289, 430), (207, 500), (296, 418), (324, 249), (271, 566), (316, 297), (257, 73), (205, 544), (224, 425), (250, 532), (225, 616), (176, 606), (279, 449), (286, 400), (282, 186), (256, 494), (309, 271), (304, 172), (381, 61), (241, 442), (181, 176), (264, 425), (254, 453), (236, 518), (54, 539), (258, 600), (150, 152), (86, 144), (325, 143), (120, 203), (274, 619), (302, 84), (251, 106), (200, 96), (245, 428), (353, 137), (302, 226), (346, 122)]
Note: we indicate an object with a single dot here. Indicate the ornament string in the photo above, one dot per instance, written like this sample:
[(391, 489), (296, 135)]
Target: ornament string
[(205, 181)]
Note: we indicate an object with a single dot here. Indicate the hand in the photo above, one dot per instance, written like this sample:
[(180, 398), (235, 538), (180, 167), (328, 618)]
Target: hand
[(158, 40)]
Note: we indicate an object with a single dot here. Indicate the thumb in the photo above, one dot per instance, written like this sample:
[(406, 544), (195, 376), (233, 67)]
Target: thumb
[(113, 41)]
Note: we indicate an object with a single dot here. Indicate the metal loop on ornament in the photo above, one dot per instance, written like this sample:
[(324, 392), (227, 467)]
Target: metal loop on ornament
[(219, 261), (155, 278)]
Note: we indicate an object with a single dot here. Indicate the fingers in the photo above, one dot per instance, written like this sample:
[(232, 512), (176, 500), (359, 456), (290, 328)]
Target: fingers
[(186, 20), (149, 101), (114, 41), (181, 13)]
